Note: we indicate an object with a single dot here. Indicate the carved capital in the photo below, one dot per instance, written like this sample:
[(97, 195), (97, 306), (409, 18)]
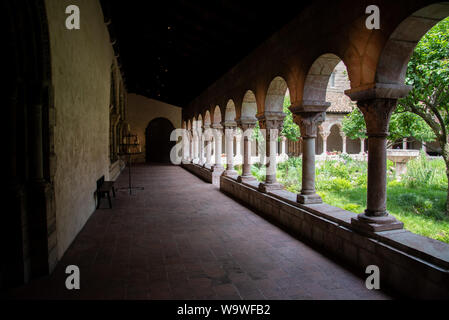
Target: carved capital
[(309, 115), (377, 114)]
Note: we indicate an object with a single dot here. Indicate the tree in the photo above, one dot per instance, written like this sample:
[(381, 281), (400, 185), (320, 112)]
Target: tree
[(424, 113), (291, 129)]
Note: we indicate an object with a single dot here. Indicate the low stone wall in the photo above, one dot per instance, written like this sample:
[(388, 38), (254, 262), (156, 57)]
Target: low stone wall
[(412, 265), (204, 173)]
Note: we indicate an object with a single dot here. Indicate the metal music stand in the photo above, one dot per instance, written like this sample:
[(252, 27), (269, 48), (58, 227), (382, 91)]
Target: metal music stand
[(129, 148)]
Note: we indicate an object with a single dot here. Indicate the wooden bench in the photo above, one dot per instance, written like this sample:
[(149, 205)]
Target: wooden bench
[(104, 188)]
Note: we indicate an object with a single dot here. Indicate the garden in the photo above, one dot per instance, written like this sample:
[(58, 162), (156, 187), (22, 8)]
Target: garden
[(417, 198)]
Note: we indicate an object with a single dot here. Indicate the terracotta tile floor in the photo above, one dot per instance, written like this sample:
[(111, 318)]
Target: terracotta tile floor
[(181, 238)]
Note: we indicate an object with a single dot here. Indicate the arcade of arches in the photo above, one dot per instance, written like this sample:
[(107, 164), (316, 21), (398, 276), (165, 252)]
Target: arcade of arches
[(70, 112)]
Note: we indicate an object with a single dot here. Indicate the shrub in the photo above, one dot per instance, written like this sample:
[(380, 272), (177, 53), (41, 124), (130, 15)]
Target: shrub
[(422, 172), (340, 184)]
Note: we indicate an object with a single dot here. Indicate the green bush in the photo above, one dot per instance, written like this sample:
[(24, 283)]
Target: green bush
[(422, 172)]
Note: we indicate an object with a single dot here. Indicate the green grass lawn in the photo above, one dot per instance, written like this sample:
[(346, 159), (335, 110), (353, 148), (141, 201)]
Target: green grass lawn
[(418, 199), (421, 210)]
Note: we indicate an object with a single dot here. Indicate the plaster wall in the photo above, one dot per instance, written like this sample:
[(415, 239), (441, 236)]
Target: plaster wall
[(141, 111), (81, 68)]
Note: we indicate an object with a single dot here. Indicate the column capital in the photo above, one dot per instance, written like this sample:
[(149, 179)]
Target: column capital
[(246, 123), (377, 114), (229, 124), (217, 126), (271, 120), (309, 115)]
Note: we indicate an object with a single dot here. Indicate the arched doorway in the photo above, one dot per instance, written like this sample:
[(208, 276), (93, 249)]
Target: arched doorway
[(158, 144)]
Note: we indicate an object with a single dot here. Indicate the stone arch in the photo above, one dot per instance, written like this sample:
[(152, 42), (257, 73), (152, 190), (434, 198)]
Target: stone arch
[(335, 140), (230, 113), (274, 100), (207, 118), (317, 79), (158, 144), (249, 106), (217, 118), (395, 56)]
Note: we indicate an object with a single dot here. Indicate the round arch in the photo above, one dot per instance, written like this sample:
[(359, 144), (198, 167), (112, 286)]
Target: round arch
[(249, 106), (274, 100), (317, 79), (217, 115), (230, 113), (157, 140), (396, 54)]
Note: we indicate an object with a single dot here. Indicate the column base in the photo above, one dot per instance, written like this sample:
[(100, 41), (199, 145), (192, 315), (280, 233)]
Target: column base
[(242, 179), (309, 199), (367, 223), (268, 187)]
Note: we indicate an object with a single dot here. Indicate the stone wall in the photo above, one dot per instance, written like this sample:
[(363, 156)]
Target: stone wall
[(142, 110), (81, 68), (411, 265)]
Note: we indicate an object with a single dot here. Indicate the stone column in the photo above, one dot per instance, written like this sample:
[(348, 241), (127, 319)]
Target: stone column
[(185, 146), (283, 149), (404, 144), (324, 135), (194, 146), (247, 125), (207, 139), (309, 115), (362, 146), (424, 148), (218, 133), (343, 138), (229, 133), (238, 146), (377, 104), (201, 146), (272, 123)]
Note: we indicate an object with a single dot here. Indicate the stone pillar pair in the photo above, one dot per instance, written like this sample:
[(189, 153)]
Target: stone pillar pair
[(230, 127), (272, 123), (247, 125), (207, 136), (218, 136)]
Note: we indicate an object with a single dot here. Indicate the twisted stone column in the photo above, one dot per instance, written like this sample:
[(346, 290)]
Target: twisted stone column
[(272, 123), (229, 133), (309, 115), (247, 125), (377, 103)]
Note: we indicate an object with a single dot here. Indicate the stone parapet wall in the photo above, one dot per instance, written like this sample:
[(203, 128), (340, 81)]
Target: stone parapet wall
[(412, 265)]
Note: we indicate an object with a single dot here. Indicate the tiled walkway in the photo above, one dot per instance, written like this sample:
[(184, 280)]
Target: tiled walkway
[(181, 238)]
